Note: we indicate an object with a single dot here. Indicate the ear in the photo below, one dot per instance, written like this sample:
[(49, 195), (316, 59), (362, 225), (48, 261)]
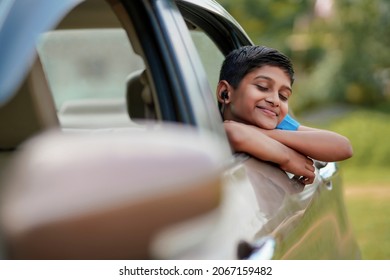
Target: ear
[(223, 86)]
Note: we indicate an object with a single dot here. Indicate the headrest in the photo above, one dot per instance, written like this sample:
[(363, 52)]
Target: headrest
[(139, 97)]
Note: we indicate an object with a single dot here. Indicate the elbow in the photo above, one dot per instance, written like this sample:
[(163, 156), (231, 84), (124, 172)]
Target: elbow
[(341, 150), (349, 152), (237, 142), (346, 150), (235, 138)]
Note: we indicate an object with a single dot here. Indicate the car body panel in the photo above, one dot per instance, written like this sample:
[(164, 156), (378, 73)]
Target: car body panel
[(264, 213)]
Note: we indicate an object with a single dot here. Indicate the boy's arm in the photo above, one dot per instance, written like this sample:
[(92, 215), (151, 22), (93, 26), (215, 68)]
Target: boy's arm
[(322, 145), (251, 140)]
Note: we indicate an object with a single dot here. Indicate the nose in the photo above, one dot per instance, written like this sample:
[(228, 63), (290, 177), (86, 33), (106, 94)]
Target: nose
[(273, 99)]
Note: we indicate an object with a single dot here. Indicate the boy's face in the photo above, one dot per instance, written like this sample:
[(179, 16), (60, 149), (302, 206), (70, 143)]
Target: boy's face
[(261, 98)]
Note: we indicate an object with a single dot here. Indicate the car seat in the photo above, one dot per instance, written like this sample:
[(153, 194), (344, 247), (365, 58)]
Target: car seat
[(139, 96)]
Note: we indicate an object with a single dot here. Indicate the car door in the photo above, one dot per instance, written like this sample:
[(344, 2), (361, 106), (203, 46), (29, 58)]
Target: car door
[(266, 213)]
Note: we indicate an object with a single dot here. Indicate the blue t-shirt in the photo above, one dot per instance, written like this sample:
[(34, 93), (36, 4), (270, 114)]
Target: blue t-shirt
[(288, 123)]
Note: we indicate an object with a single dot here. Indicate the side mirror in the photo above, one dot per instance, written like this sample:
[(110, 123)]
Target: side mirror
[(104, 196)]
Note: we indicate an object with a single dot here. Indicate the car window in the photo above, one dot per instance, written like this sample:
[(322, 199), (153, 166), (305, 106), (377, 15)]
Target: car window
[(95, 77), (87, 64), (210, 56), (92, 71)]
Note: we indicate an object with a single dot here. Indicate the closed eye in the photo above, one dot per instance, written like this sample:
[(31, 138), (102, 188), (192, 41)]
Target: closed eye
[(283, 97), (262, 88)]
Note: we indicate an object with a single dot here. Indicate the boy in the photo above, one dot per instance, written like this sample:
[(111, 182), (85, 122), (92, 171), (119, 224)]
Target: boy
[(253, 91)]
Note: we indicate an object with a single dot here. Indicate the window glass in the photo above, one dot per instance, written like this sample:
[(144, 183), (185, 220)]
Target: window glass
[(88, 72), (95, 77), (210, 56), (87, 64)]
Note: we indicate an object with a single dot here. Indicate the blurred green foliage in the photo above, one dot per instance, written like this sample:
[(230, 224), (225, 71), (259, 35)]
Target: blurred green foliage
[(339, 47), (369, 132)]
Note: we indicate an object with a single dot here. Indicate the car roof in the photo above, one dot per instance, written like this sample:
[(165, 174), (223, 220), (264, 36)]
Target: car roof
[(213, 7)]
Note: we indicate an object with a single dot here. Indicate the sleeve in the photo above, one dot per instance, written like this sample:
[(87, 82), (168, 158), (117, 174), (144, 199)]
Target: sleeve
[(288, 123)]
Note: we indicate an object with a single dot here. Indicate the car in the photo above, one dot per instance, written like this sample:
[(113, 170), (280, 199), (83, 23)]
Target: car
[(112, 145)]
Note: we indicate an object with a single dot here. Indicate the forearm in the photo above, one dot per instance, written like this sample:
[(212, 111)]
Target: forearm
[(251, 140), (248, 139), (318, 144)]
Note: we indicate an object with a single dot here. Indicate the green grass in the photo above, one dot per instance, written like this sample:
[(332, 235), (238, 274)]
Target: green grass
[(369, 217), (368, 204), (367, 178), (364, 177)]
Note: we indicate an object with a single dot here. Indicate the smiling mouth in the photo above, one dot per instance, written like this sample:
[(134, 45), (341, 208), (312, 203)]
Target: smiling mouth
[(268, 111)]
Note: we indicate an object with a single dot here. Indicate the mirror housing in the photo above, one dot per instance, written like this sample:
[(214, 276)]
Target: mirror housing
[(105, 195)]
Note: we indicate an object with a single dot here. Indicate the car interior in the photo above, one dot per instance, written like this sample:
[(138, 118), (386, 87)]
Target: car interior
[(94, 88), (108, 85), (113, 94)]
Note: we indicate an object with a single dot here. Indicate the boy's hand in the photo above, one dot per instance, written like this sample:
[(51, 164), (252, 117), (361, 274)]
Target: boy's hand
[(301, 166)]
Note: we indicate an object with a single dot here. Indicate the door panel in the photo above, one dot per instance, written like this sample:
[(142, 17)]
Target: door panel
[(306, 222)]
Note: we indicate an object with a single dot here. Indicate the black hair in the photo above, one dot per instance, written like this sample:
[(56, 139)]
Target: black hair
[(242, 61)]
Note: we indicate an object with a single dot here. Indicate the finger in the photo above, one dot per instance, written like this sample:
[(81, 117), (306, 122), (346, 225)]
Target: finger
[(309, 172), (309, 181), (306, 180), (310, 167), (309, 177)]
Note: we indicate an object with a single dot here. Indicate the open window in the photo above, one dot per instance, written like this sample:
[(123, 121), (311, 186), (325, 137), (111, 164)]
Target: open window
[(96, 78)]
